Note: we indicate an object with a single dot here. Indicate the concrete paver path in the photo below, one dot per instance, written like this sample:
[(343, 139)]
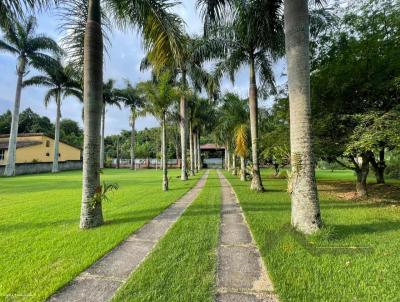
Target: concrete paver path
[(241, 275), (100, 281)]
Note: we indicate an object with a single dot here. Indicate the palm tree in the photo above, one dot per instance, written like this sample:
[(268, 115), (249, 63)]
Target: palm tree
[(129, 96), (241, 148), (306, 216), (62, 82), (20, 40), (110, 98), (159, 97), (10, 10), (161, 32), (231, 114), (253, 37)]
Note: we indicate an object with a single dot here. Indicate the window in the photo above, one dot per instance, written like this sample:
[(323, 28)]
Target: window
[(47, 143), (2, 154), (47, 154), (59, 154)]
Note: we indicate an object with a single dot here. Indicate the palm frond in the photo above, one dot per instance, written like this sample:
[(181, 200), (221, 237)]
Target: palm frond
[(39, 81)]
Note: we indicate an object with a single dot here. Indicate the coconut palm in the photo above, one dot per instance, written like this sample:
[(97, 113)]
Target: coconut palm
[(306, 216), (159, 96), (110, 98), (253, 37), (161, 31), (130, 97), (20, 40), (62, 81)]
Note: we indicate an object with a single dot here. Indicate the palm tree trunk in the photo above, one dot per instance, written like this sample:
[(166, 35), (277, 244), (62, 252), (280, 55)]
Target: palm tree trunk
[(12, 143), (133, 140), (57, 134), (228, 159), (256, 183), (118, 160), (103, 121), (164, 155), (183, 128), (195, 150), (306, 215), (234, 164), (242, 169), (91, 213), (199, 165), (191, 156)]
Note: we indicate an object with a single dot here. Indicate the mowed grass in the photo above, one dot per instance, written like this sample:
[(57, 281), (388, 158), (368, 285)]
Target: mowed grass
[(183, 265), (42, 247), (326, 267)]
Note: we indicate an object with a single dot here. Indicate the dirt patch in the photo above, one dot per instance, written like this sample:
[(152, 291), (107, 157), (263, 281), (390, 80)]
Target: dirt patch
[(376, 192)]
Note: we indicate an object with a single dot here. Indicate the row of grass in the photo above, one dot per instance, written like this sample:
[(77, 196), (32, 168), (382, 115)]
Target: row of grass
[(303, 271), (183, 265), (41, 245)]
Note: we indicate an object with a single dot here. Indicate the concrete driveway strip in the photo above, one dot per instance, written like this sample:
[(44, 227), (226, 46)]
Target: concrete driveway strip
[(101, 280), (241, 275)]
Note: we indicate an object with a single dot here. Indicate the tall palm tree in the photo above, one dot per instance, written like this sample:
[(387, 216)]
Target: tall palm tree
[(159, 97), (20, 40), (110, 98), (306, 216), (161, 31), (253, 37), (130, 97), (62, 81)]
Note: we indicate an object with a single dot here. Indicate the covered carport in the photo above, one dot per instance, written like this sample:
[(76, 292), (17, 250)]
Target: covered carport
[(212, 156)]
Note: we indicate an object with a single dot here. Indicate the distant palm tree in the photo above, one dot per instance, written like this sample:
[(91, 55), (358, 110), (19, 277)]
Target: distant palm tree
[(161, 31), (130, 97), (252, 37), (20, 40), (159, 96), (62, 81), (110, 98), (241, 141)]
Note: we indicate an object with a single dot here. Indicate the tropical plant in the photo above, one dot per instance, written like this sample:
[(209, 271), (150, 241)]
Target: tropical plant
[(129, 96), (159, 95), (253, 36), (306, 216), (110, 98), (62, 82), (241, 149), (21, 40), (161, 31)]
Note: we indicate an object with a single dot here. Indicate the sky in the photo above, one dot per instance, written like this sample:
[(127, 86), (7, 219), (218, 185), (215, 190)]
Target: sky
[(125, 54)]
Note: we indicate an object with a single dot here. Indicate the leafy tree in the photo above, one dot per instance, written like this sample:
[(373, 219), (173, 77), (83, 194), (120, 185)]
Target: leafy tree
[(62, 82), (71, 133), (355, 76), (21, 40)]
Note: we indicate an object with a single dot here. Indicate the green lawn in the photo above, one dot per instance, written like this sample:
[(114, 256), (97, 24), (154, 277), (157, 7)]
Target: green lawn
[(183, 265), (42, 247), (302, 272)]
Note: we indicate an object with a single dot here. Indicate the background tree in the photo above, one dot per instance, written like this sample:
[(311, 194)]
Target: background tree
[(159, 97), (61, 82), (21, 40), (252, 36), (131, 99), (110, 98)]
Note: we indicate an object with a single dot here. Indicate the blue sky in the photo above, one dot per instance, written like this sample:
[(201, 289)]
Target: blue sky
[(122, 63)]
